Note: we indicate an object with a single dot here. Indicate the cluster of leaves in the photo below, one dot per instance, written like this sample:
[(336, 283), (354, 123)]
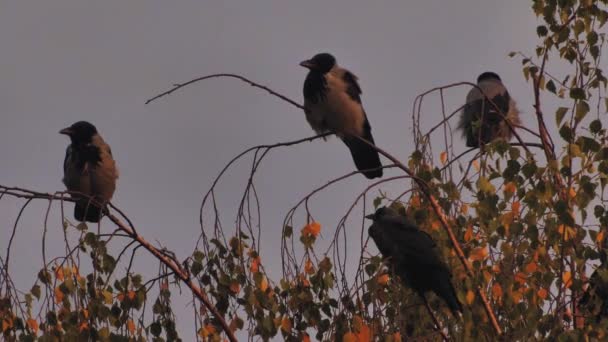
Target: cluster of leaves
[(532, 226), (73, 306)]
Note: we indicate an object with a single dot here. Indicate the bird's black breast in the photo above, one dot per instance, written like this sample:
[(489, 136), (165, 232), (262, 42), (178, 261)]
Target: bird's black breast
[(315, 87), (79, 155)]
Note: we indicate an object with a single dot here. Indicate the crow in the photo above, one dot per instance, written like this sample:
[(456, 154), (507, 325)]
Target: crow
[(332, 102), (412, 255), (89, 171)]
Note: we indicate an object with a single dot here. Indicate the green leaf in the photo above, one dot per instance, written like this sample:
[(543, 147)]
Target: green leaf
[(595, 126), (577, 94), (559, 115), (551, 87)]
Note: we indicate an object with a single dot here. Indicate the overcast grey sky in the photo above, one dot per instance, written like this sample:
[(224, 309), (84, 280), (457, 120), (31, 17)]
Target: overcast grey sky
[(69, 60)]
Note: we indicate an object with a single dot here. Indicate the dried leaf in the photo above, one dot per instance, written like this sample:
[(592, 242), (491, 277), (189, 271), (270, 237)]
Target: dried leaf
[(479, 254), (58, 295), (567, 279), (531, 267), (496, 291), (349, 337), (33, 325), (468, 235), (470, 297), (308, 267), (383, 279), (286, 325), (312, 229), (542, 293), (443, 157), (235, 287), (131, 326), (509, 188), (515, 206)]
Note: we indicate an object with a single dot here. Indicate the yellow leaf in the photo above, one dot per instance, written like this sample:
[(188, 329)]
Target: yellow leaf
[(263, 284), (470, 297), (479, 254), (286, 325), (235, 287), (443, 157), (349, 337), (383, 279), (567, 279), (33, 325), (107, 297), (131, 326), (496, 291), (308, 267), (542, 293), (312, 229), (468, 235), (58, 295)]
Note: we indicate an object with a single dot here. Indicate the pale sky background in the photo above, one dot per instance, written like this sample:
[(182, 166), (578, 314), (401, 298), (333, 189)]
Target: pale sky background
[(69, 60)]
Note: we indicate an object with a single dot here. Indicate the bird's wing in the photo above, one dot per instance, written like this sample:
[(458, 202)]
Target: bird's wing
[(407, 244), (103, 176), (352, 86)]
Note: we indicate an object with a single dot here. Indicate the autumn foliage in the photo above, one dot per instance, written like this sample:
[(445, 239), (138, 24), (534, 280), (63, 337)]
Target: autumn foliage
[(528, 215)]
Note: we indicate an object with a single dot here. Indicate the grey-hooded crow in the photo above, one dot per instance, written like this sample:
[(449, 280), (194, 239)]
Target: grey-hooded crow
[(88, 169), (413, 256), (332, 102), (481, 121)]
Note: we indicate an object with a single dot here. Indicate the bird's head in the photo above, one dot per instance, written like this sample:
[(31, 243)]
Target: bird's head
[(488, 75), (381, 213), (322, 62), (80, 132)]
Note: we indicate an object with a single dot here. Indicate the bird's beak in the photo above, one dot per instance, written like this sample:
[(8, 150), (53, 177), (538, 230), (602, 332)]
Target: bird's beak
[(308, 64), (370, 217), (66, 131)]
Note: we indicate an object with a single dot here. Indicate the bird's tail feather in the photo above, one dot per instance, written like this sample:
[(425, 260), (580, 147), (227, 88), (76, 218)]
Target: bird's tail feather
[(366, 158), (87, 211)]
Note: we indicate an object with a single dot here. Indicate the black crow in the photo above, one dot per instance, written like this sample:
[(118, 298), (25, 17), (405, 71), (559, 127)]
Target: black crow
[(88, 169), (332, 102), (412, 255), (480, 121)]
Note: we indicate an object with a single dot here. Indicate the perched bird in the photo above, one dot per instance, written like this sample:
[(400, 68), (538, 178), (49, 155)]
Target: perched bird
[(413, 256), (480, 121), (332, 102), (88, 169)]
